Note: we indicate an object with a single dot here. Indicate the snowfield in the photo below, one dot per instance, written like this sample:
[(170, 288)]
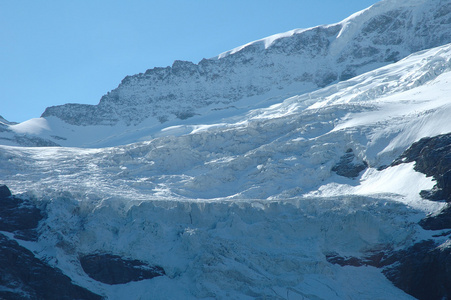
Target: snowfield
[(223, 89), (283, 151), (243, 175), (249, 207)]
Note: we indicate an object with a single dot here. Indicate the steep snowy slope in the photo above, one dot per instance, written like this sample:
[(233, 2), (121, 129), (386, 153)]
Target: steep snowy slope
[(254, 75), (291, 147), (257, 207), (277, 170)]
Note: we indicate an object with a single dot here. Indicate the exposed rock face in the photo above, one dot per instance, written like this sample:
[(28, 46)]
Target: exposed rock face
[(432, 156), (423, 270), (349, 166), (112, 269), (378, 259), (301, 60), (4, 192), (17, 215), (22, 275), (438, 220)]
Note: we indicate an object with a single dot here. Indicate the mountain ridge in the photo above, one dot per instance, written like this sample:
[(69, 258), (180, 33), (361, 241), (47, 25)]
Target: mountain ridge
[(301, 62), (228, 86), (284, 195)]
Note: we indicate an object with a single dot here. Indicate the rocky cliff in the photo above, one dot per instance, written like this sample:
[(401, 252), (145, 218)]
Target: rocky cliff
[(295, 62)]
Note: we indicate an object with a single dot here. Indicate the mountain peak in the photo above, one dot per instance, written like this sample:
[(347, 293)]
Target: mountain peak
[(203, 189), (296, 61)]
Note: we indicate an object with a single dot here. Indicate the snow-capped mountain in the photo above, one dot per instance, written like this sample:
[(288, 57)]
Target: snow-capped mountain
[(378, 115), (306, 189), (296, 61), (271, 204), (255, 75)]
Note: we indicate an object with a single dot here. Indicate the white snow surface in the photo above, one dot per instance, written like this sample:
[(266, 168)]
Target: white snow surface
[(239, 201), (350, 25), (223, 89), (248, 207)]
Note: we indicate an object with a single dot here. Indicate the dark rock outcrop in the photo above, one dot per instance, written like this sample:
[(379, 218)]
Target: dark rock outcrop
[(423, 270), (22, 275), (438, 220), (4, 191), (349, 166), (112, 269), (376, 259), (17, 215), (432, 156)]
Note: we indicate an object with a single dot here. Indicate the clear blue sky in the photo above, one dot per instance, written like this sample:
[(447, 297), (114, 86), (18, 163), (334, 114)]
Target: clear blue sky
[(55, 51)]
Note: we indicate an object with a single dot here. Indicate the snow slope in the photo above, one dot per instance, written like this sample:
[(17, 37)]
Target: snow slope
[(252, 76), (290, 147), (226, 173), (249, 208)]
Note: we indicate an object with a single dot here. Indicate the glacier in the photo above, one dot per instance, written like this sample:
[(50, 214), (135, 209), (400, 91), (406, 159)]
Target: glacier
[(240, 198), (253, 76)]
